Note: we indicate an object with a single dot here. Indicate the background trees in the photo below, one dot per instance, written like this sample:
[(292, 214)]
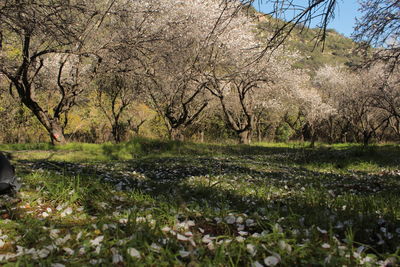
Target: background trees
[(116, 93), (357, 97), (37, 35), (173, 67), (101, 72), (380, 27)]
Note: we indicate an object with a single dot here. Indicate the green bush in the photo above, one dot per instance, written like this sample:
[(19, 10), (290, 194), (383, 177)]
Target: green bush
[(283, 133)]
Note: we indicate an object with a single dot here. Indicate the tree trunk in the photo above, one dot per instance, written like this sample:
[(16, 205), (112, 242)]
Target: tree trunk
[(313, 139), (366, 137), (313, 136), (202, 136), (331, 131), (56, 133), (244, 137), (52, 125), (259, 133), (116, 133), (176, 134)]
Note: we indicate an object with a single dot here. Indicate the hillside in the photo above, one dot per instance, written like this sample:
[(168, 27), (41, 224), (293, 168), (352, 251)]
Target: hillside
[(338, 49)]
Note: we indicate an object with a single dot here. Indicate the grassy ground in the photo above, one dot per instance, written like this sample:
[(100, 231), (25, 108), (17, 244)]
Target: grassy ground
[(173, 204)]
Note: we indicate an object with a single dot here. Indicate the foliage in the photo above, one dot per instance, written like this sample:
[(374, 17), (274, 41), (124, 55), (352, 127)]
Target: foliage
[(238, 204), (283, 133), (194, 70)]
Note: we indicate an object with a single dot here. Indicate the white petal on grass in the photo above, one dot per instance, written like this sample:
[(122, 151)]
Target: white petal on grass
[(189, 234), (154, 247), (240, 239), (328, 259), (271, 260), (339, 225), (256, 264), (284, 246), (140, 219), (230, 219), (69, 251), (54, 233), (117, 258), (95, 262), (184, 253), (2, 243), (97, 240), (62, 241), (60, 207), (239, 220), (206, 239), (20, 250), (166, 229), (78, 236), (256, 235), (172, 232), (43, 253), (369, 259), (322, 231), (82, 251), (325, 245), (6, 257), (192, 242), (67, 211), (134, 253), (182, 237), (116, 213), (45, 215), (277, 228), (123, 221), (57, 265), (360, 249), (191, 223), (250, 222), (251, 249)]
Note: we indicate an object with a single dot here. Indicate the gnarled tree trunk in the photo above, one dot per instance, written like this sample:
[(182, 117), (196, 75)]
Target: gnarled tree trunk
[(176, 134), (52, 125), (245, 137)]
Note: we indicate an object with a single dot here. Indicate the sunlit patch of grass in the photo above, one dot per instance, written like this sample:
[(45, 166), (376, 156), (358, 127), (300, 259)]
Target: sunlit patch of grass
[(365, 166)]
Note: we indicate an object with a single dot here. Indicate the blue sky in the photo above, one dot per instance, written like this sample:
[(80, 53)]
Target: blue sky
[(344, 20)]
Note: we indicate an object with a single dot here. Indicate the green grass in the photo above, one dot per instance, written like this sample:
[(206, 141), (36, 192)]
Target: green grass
[(155, 203)]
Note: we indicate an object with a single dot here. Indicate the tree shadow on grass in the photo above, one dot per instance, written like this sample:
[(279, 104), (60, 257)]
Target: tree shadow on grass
[(310, 198), (379, 156), (386, 156), (315, 196), (177, 169)]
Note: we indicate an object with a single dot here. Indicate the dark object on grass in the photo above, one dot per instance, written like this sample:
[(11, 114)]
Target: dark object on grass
[(8, 180)]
